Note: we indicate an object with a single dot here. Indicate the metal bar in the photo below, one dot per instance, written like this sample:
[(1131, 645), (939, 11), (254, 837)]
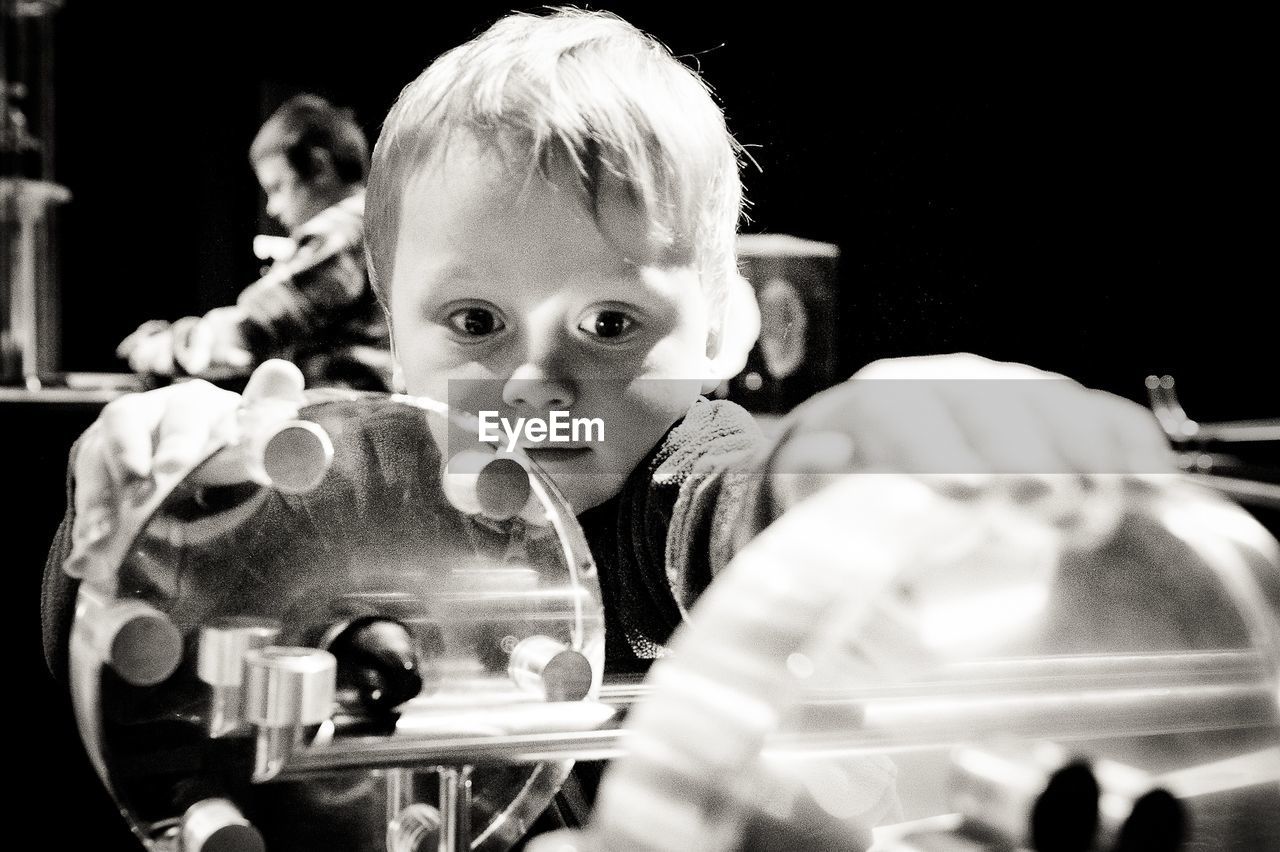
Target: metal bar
[(1240, 431), (1242, 490), (861, 726), (455, 808), (1030, 673), (399, 791)]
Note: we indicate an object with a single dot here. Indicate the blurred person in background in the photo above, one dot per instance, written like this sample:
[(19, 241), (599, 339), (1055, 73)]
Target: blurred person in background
[(314, 306)]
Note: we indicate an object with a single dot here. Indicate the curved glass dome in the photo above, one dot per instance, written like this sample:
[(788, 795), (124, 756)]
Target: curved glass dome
[(324, 586), (983, 663)]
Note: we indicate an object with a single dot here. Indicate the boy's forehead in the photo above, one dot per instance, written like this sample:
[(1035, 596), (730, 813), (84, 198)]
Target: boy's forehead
[(480, 187)]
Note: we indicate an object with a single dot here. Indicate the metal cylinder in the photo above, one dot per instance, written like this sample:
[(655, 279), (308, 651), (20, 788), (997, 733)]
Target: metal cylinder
[(483, 484), (296, 456), (136, 640), (220, 662), (289, 687), (216, 825), (549, 668), (455, 808)]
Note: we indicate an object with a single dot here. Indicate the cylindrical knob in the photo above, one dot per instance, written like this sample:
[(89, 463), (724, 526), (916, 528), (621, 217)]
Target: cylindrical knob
[(220, 663), (296, 456), (223, 644), (275, 449), (548, 667), (502, 488), (137, 640), (481, 483), (216, 825), (288, 687)]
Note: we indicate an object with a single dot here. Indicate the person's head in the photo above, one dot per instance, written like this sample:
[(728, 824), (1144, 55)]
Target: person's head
[(308, 156), (550, 221)]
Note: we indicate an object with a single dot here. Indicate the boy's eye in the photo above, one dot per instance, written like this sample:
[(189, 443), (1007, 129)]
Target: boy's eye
[(475, 322), (607, 324)]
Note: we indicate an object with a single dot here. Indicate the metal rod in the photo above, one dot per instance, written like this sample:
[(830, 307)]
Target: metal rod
[(1241, 431), (1027, 673), (1243, 490), (863, 725), (455, 808), (273, 749), (425, 752), (399, 791)]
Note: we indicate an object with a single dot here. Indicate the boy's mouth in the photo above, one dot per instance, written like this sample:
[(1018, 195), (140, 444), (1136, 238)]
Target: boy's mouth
[(543, 453)]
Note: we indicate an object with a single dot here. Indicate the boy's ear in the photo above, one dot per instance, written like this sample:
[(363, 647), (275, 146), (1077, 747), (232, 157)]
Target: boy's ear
[(322, 168), (733, 333), (710, 370), (397, 372)]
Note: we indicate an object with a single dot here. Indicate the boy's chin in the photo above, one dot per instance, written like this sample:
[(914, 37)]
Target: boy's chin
[(587, 491)]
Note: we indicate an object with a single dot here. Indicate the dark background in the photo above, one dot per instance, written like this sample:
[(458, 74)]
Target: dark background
[(1083, 195), (1088, 195)]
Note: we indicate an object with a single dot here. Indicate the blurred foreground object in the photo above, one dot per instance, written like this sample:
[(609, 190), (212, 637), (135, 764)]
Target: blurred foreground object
[(406, 662), (1240, 458), (1116, 629)]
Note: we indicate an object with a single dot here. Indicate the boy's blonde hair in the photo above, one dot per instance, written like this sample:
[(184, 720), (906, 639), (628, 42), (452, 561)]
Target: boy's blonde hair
[(583, 88)]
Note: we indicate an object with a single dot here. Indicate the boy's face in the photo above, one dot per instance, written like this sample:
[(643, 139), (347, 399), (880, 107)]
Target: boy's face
[(507, 296), (291, 201)]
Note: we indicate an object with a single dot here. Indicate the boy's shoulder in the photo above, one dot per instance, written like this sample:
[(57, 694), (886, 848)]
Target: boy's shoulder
[(711, 432)]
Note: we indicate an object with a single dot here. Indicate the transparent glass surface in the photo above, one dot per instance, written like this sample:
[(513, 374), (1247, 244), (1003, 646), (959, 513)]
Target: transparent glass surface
[(424, 600), (977, 663)]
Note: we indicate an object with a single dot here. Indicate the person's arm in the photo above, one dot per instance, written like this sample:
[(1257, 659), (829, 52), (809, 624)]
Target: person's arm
[(137, 435), (302, 296), (961, 419)]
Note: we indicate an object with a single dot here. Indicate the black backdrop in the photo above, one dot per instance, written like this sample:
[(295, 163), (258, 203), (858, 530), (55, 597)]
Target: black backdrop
[(1089, 196), (1080, 194)]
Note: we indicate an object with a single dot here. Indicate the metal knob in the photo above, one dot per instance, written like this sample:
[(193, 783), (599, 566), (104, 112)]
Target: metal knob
[(216, 825), (480, 483), (286, 691), (550, 668), (220, 662), (289, 687), (137, 640), (296, 456), (223, 644)]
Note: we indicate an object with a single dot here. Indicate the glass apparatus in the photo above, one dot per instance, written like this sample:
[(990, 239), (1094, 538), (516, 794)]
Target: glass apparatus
[(355, 650), (298, 643), (977, 663)]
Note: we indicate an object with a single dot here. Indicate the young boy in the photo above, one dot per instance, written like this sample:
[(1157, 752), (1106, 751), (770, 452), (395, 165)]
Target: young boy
[(315, 306), (550, 223)]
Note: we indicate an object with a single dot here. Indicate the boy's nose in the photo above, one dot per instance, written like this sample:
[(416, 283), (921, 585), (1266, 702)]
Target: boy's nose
[(531, 387)]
